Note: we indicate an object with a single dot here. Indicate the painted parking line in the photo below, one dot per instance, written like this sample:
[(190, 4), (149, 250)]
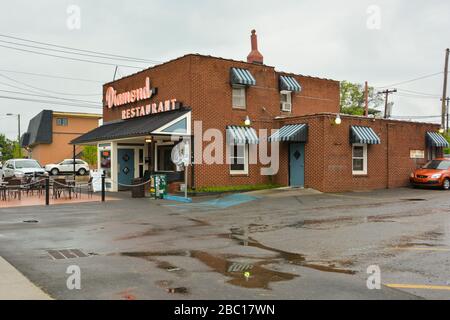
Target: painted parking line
[(416, 286), (422, 249)]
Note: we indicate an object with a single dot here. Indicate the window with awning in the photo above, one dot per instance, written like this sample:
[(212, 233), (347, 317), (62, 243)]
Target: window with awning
[(241, 135), (435, 139), (363, 135), (289, 84), (241, 77), (291, 132)]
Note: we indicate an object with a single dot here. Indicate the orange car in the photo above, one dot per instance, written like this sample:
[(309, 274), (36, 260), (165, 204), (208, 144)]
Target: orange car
[(435, 173)]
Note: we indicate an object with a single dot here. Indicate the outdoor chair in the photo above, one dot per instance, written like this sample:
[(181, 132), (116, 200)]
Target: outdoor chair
[(60, 187), (14, 188)]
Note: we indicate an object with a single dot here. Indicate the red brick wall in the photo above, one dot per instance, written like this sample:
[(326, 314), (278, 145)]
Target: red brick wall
[(328, 153), (203, 83)]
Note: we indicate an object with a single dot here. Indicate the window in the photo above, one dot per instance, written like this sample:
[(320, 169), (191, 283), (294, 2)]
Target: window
[(165, 158), (62, 122), (286, 101), (239, 159), (359, 158), (239, 98)]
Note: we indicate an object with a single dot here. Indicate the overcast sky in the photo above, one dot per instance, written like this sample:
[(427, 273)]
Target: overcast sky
[(342, 40)]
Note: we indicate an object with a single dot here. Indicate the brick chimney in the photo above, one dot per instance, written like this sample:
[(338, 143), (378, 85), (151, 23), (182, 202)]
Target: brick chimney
[(255, 56)]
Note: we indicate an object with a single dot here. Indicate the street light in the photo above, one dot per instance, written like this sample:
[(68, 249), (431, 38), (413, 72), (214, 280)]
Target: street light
[(18, 124)]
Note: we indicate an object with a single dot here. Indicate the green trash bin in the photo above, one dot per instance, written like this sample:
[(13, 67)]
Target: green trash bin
[(158, 186)]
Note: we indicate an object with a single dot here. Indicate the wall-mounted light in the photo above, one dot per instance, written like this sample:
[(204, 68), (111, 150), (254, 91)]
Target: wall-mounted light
[(338, 120), (148, 140), (441, 130), (247, 121)]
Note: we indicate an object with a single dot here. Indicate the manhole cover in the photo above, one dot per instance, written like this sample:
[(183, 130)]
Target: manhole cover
[(66, 254)]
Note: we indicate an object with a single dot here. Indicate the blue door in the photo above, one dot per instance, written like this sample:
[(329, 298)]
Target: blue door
[(125, 167), (297, 164)]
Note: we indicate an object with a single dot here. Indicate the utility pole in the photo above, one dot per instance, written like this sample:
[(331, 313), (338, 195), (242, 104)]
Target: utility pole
[(366, 98), (444, 91), (386, 92), (446, 114)]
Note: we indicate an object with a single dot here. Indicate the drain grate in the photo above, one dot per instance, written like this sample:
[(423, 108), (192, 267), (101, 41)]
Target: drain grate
[(66, 254)]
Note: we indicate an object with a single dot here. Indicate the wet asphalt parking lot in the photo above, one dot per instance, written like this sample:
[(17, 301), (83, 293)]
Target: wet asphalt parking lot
[(278, 244)]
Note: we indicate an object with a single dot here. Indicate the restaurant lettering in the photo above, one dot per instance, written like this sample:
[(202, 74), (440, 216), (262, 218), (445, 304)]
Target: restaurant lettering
[(114, 99), (150, 108)]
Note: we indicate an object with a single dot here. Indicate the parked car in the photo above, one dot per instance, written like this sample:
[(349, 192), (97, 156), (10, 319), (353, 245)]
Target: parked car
[(66, 166), (20, 168), (435, 173)]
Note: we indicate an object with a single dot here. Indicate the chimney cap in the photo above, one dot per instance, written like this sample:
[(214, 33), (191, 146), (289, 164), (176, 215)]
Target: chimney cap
[(255, 56)]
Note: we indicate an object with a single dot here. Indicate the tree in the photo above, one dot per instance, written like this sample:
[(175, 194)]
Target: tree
[(352, 100), (90, 155), (7, 148)]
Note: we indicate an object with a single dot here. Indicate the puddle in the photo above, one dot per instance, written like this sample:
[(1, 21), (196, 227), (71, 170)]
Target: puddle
[(289, 257), (156, 231)]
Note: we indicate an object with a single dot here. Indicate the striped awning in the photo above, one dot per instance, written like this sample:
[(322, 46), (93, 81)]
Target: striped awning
[(364, 135), (242, 77), (291, 132), (289, 84), (435, 139), (241, 135)]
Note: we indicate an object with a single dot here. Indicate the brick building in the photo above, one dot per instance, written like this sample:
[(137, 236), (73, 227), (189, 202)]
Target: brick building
[(49, 133), (147, 113)]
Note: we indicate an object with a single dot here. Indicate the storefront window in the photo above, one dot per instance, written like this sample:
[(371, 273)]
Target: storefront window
[(238, 159), (165, 158), (359, 157)]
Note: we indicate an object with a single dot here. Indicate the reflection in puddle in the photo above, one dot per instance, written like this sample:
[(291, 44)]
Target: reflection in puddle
[(290, 257), (247, 275), (259, 277)]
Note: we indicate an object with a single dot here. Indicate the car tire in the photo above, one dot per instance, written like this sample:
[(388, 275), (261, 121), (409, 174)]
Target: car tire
[(54, 172), (82, 172), (446, 184)]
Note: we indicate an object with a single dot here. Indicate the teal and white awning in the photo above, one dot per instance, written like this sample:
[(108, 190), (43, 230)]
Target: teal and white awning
[(435, 139), (291, 132), (241, 135), (289, 84), (364, 135), (242, 77)]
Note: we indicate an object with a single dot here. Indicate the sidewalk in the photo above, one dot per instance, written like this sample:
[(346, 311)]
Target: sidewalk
[(14, 285)]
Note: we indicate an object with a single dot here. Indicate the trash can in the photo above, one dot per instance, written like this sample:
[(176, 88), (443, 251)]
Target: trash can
[(138, 191)]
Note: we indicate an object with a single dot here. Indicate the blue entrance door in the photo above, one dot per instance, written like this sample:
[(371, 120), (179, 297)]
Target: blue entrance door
[(125, 167), (297, 164)]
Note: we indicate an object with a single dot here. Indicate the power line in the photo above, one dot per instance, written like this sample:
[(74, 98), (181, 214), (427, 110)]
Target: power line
[(46, 96), (50, 76), (419, 93), (80, 50), (411, 80), (68, 52), (45, 90), (49, 102), (70, 58)]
